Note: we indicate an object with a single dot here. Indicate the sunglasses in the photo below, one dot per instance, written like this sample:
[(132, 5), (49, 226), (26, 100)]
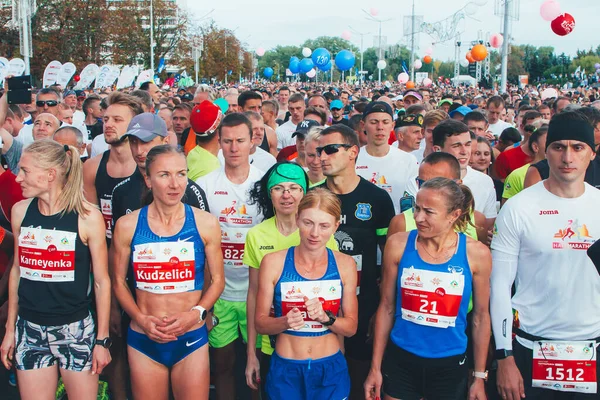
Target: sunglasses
[(335, 109), (332, 148), (420, 182), (49, 103)]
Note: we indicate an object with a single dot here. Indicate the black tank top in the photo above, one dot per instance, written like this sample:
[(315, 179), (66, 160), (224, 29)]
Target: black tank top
[(265, 142), (105, 185), (54, 268)]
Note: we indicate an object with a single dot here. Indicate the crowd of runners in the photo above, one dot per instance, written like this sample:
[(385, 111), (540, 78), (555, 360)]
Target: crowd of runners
[(360, 242)]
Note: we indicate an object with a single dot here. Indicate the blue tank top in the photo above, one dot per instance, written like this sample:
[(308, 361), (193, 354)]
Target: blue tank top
[(432, 302), (292, 287), (165, 265)]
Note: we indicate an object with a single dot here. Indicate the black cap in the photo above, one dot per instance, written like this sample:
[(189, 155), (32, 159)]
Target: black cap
[(303, 127), (409, 120), (187, 97), (378, 107)]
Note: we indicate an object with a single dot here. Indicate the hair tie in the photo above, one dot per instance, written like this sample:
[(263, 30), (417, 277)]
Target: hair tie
[(66, 147)]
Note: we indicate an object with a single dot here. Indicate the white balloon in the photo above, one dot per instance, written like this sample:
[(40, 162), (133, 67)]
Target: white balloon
[(347, 35), (464, 63), (403, 77), (260, 52), (429, 51), (418, 64), (427, 82), (381, 64), (306, 52), (471, 9), (312, 73)]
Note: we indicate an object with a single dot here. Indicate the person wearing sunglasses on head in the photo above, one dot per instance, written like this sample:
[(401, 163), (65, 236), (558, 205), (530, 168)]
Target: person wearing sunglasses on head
[(387, 167), (366, 214), (277, 195)]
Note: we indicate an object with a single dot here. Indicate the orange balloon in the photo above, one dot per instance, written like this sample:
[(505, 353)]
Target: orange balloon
[(410, 85), (427, 59), (479, 52), (470, 58)]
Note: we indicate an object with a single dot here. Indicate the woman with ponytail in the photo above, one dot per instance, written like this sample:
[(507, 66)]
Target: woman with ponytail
[(50, 330), (428, 277)]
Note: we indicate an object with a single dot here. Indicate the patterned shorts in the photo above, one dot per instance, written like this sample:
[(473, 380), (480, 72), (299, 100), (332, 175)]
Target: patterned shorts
[(68, 346)]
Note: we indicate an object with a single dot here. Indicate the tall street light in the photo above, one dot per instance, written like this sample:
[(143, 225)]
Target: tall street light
[(380, 21), (362, 71)]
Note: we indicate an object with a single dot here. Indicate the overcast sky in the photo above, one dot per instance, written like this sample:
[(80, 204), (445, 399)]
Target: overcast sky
[(267, 23)]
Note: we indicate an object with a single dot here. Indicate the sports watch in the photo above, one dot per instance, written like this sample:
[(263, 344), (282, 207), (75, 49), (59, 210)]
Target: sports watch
[(482, 375), (501, 354), (106, 342), (332, 318), (202, 312)]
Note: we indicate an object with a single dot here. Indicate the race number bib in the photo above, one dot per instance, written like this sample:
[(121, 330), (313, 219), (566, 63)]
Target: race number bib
[(565, 366), (232, 246), (47, 255), (431, 298), (329, 293), (106, 208), (167, 267)]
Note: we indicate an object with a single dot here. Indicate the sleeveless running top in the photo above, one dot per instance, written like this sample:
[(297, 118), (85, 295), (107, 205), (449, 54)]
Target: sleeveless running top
[(265, 142), (104, 188), (55, 268), (165, 265), (411, 224), (432, 302), (292, 287)]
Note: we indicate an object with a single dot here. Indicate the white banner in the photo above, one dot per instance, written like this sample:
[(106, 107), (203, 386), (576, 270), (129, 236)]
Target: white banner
[(114, 74), (3, 69), (87, 76), (16, 67), (66, 73), (144, 76), (419, 76), (51, 73), (102, 77), (125, 77)]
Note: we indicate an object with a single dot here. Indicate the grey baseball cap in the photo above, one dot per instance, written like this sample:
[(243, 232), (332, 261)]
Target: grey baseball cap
[(146, 126)]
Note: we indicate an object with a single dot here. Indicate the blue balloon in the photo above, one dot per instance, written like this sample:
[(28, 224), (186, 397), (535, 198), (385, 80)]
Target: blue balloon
[(321, 57), (326, 67), (345, 60), (268, 72), (294, 66), (306, 65)]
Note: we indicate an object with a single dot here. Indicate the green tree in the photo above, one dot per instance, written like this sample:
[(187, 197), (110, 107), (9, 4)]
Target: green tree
[(332, 43)]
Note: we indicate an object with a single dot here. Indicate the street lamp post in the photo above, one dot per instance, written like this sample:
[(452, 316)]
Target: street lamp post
[(380, 21), (152, 37), (362, 75)]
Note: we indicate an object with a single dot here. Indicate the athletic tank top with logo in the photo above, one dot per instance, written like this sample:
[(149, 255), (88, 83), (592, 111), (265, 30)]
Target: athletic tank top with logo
[(104, 188), (292, 287), (164, 265), (432, 302), (54, 268)]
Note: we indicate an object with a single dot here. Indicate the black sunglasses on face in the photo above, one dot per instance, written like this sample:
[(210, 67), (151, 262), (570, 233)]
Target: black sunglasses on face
[(332, 148), (49, 103)]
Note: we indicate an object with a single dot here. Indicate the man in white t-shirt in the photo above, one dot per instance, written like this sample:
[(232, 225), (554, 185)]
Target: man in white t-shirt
[(540, 244), (393, 170), (258, 157), (409, 132), (452, 136), (227, 193), (296, 107), (495, 107)]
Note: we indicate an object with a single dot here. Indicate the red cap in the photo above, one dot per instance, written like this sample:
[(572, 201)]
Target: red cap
[(205, 118)]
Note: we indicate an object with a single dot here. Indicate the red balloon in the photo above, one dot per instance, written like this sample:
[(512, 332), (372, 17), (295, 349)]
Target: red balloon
[(427, 59), (76, 78), (470, 58), (563, 24)]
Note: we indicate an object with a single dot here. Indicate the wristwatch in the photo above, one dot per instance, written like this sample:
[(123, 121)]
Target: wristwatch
[(482, 375), (501, 354), (106, 342), (332, 318), (202, 312)]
